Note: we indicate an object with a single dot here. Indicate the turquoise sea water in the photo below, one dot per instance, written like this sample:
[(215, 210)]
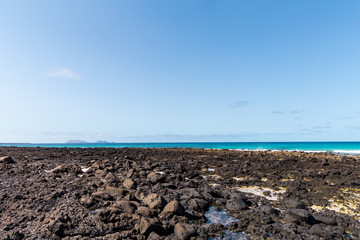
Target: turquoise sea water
[(336, 147)]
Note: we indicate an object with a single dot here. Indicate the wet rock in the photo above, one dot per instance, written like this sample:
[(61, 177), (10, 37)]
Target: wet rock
[(184, 231), (174, 207), (154, 201), (6, 160)]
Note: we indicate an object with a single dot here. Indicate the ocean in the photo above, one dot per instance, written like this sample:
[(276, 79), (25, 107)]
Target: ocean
[(351, 148)]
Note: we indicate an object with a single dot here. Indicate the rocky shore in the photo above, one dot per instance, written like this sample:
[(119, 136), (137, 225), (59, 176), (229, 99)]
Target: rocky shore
[(131, 193)]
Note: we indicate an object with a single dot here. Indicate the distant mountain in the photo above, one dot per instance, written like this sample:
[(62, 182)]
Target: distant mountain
[(81, 141), (101, 142), (75, 141)]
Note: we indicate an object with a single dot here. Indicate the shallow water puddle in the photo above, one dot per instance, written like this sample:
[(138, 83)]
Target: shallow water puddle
[(221, 217), (268, 193), (231, 236), (216, 217)]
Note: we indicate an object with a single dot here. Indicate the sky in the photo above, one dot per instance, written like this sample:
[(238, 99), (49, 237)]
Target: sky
[(180, 70)]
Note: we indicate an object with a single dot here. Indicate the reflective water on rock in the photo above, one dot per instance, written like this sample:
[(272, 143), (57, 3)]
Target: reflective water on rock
[(216, 217), (231, 236), (221, 217)]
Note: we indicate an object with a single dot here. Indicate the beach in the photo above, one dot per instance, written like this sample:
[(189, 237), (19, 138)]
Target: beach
[(177, 193)]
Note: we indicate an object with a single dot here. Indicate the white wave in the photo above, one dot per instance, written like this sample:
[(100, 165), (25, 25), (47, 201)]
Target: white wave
[(350, 152), (347, 151)]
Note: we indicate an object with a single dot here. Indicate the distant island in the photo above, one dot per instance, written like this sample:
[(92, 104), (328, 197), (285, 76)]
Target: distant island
[(81, 141)]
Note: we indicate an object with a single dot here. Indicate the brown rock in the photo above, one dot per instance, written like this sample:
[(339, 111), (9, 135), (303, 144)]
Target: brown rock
[(129, 184), (155, 177), (126, 206), (150, 225), (113, 191), (144, 211), (68, 168), (174, 207), (87, 201), (154, 201), (184, 231), (101, 195)]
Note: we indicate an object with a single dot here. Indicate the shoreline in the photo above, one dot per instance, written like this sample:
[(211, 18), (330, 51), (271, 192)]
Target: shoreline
[(75, 193), (340, 152)]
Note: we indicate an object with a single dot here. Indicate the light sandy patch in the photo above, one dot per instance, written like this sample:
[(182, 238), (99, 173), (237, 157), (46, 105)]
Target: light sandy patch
[(287, 180), (239, 178), (212, 176), (214, 185), (273, 196)]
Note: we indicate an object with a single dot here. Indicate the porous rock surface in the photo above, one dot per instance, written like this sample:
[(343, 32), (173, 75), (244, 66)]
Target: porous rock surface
[(132, 193)]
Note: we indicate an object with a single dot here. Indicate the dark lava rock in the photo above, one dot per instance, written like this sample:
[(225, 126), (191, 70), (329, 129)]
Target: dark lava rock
[(68, 168), (155, 177), (87, 201), (110, 214), (6, 160), (144, 211), (126, 206), (236, 205), (325, 220), (184, 231), (318, 230), (267, 209), (292, 203), (174, 207), (129, 184), (102, 195), (154, 201), (115, 192), (302, 215), (148, 225), (198, 204), (214, 228)]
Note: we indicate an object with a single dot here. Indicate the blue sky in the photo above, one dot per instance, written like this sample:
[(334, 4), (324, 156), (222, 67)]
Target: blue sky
[(186, 70)]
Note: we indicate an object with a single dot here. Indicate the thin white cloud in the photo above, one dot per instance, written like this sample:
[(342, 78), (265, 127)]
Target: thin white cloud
[(287, 112), (62, 72), (238, 104)]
